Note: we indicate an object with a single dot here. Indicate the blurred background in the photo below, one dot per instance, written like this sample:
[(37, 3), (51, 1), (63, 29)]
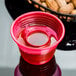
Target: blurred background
[(9, 53)]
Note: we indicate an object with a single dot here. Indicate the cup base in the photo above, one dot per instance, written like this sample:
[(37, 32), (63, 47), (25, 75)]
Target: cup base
[(56, 73)]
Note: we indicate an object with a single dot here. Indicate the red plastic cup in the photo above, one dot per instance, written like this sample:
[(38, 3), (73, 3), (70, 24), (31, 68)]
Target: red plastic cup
[(42, 53)]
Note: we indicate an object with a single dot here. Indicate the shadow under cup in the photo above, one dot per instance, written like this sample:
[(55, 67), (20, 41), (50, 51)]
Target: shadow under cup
[(33, 55)]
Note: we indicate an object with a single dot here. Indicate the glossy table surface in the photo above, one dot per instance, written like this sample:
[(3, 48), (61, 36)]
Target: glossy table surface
[(9, 54)]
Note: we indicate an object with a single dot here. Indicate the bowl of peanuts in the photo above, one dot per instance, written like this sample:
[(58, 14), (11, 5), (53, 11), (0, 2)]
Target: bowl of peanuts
[(66, 11)]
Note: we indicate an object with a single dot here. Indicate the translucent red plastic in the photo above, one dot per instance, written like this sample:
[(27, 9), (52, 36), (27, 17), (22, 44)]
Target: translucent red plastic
[(35, 55)]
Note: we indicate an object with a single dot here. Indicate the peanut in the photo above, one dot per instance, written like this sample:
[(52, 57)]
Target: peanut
[(44, 4), (52, 5), (42, 0), (73, 11), (74, 2), (61, 3), (67, 9), (67, 0)]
